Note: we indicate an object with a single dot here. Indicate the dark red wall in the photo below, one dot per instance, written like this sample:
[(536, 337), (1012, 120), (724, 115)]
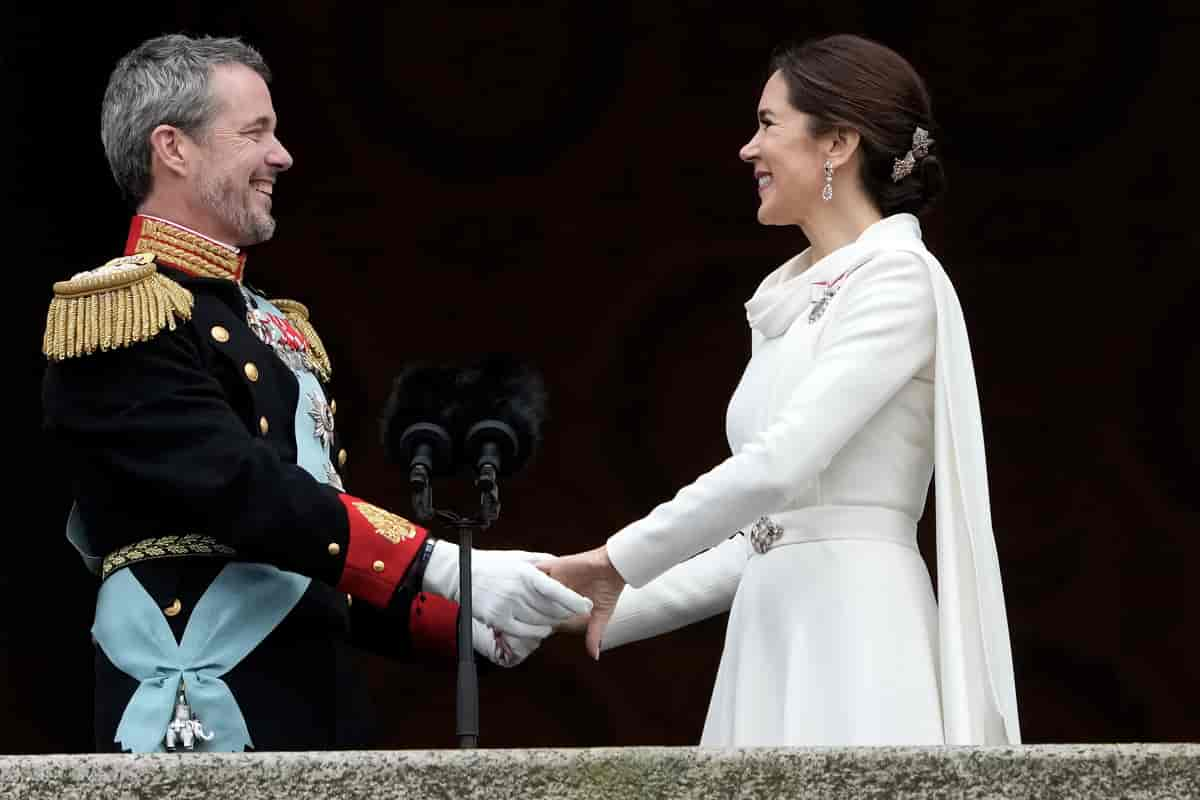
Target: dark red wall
[(565, 185)]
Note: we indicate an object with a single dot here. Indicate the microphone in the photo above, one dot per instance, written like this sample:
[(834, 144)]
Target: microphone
[(503, 409), (418, 429), (484, 418)]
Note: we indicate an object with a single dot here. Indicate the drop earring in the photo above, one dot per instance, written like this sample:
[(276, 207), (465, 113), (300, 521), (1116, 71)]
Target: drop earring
[(827, 191)]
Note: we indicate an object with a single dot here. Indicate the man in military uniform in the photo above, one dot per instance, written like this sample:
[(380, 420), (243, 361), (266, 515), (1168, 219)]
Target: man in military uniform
[(195, 426)]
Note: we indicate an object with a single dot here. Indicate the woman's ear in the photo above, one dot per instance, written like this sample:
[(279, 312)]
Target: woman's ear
[(842, 145)]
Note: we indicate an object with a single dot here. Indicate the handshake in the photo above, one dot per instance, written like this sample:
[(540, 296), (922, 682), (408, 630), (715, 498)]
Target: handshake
[(520, 598)]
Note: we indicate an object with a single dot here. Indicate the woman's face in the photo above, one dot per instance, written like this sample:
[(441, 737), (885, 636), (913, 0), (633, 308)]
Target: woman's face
[(789, 163)]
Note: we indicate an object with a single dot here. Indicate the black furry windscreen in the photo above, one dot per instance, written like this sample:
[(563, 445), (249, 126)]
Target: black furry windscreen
[(501, 386), (497, 386), (421, 392)]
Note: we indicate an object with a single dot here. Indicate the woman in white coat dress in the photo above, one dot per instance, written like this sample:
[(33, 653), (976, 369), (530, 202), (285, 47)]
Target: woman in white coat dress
[(859, 389)]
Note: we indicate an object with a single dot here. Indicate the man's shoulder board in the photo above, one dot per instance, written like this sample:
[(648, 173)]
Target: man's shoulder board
[(123, 302)]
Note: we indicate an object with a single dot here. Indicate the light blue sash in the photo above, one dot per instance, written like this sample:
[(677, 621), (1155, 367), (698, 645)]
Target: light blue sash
[(235, 613)]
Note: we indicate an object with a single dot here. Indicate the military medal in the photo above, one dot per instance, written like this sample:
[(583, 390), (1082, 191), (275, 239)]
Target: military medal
[(822, 293), (184, 729)]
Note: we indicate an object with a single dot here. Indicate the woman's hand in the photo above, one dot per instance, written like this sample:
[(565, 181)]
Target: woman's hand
[(575, 626), (592, 575)]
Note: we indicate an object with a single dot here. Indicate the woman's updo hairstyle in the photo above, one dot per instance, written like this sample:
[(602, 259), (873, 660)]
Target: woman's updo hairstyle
[(847, 81)]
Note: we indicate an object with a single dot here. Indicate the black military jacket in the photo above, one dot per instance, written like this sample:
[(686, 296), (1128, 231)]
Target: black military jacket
[(193, 431)]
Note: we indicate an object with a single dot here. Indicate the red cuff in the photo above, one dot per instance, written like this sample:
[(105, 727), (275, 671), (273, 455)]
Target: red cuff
[(379, 551), (433, 625)]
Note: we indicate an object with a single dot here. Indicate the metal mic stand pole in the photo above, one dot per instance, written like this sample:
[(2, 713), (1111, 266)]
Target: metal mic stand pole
[(467, 712), (467, 707), (468, 683)]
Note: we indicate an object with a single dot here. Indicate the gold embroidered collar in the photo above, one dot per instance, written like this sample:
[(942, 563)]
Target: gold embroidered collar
[(184, 250)]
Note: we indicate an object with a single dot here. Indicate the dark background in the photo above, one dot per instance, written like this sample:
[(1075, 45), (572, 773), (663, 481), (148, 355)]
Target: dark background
[(563, 183)]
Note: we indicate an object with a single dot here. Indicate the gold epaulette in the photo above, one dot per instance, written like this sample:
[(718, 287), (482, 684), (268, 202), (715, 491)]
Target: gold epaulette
[(297, 314), (123, 302)]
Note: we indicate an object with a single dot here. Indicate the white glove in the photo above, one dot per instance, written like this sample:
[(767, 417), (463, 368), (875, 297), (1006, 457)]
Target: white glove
[(505, 651), (508, 592)]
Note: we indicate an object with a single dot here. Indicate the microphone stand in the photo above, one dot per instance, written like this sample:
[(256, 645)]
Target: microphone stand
[(467, 706)]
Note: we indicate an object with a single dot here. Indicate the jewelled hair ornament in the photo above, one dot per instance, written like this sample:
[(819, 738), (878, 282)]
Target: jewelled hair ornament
[(920, 148)]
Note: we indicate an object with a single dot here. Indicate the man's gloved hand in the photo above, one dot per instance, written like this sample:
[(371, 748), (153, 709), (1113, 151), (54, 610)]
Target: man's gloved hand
[(506, 651), (508, 592)]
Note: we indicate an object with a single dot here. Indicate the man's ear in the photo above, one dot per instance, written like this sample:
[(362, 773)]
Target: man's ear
[(170, 147)]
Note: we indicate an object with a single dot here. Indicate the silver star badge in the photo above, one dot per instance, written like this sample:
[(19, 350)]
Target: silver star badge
[(322, 418)]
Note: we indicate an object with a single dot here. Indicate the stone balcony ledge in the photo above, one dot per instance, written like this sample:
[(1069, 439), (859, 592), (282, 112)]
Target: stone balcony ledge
[(1062, 772)]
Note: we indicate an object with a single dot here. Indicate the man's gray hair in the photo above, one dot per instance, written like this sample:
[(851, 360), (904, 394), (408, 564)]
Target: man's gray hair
[(163, 81)]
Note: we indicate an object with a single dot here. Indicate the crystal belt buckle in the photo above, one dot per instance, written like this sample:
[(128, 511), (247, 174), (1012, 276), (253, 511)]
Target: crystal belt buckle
[(764, 533)]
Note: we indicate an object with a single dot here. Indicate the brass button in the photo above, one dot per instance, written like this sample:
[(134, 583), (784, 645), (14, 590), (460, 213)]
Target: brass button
[(342, 456), (173, 609), (220, 334), (263, 425), (334, 548), (251, 371), (333, 406), (377, 566)]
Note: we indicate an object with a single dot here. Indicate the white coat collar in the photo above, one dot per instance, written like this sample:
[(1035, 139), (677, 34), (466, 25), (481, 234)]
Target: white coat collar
[(788, 291)]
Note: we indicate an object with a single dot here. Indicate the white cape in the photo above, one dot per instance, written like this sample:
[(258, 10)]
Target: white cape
[(976, 670)]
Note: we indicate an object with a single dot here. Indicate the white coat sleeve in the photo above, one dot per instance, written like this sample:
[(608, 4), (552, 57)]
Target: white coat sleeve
[(697, 589), (880, 333)]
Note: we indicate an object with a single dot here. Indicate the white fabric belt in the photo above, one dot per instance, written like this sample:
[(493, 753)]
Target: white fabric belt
[(827, 523)]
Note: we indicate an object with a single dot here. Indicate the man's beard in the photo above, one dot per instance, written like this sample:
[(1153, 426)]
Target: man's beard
[(222, 197)]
